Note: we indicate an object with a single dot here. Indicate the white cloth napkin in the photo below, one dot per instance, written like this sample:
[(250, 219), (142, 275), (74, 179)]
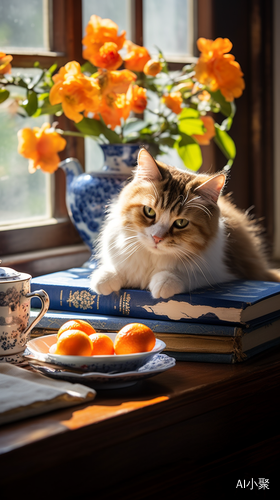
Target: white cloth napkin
[(25, 394)]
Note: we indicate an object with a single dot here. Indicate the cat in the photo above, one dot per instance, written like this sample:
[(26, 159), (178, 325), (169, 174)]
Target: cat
[(170, 231)]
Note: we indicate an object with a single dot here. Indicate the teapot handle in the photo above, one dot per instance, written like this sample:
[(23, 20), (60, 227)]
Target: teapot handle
[(43, 296)]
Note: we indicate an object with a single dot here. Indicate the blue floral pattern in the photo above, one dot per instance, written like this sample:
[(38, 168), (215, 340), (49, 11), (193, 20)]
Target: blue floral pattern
[(88, 195)]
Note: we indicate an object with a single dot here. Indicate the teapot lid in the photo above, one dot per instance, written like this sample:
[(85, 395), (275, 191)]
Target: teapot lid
[(6, 273)]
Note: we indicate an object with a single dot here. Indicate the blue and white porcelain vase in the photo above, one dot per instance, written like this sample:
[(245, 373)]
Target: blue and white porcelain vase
[(87, 194)]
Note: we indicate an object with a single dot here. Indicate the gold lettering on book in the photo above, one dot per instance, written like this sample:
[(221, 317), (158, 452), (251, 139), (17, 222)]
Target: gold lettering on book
[(120, 304), (126, 303), (81, 300), (60, 297)]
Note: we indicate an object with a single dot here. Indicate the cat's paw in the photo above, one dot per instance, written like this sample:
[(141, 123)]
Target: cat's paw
[(165, 284), (105, 282)]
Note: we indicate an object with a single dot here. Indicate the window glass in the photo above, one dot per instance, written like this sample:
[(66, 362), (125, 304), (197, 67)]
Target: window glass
[(24, 24), (119, 12), (24, 197), (116, 10), (168, 26)]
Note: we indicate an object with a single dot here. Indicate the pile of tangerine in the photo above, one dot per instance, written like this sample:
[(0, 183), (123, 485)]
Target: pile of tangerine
[(79, 338)]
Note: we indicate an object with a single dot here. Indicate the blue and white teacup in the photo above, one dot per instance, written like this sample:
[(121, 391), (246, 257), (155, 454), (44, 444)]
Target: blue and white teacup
[(15, 297)]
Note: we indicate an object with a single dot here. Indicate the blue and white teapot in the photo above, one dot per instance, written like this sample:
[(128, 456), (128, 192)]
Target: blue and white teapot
[(87, 194)]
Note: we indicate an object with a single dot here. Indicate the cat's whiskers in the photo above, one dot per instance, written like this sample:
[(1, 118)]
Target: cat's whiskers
[(188, 268), (199, 205), (195, 263), (132, 251), (203, 208), (186, 198)]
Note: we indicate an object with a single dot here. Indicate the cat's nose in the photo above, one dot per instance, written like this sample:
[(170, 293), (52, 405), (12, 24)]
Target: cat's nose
[(157, 239)]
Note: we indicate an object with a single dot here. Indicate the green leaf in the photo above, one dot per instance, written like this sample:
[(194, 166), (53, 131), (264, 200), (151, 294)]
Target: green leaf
[(190, 122), (226, 108), (90, 126), (52, 69), (133, 125), (188, 113), (21, 83), (88, 68), (192, 126), (36, 80), (167, 141), (31, 103), (225, 143), (4, 94), (48, 110), (189, 151), (112, 136)]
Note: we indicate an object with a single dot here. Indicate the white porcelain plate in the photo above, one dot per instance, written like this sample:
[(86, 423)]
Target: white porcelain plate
[(157, 364), (39, 348)]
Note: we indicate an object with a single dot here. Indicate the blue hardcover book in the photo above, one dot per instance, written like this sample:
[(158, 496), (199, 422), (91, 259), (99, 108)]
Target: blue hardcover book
[(53, 320), (238, 302), (229, 358), (184, 341)]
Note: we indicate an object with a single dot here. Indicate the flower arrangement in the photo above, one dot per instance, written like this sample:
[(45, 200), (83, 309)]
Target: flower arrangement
[(122, 95)]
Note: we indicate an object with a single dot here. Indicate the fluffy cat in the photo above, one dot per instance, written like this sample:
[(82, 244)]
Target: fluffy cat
[(170, 231)]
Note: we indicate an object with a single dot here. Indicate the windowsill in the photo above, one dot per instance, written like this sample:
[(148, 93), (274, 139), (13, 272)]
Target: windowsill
[(48, 261)]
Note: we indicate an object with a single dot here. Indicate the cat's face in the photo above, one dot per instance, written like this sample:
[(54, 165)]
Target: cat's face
[(167, 211)]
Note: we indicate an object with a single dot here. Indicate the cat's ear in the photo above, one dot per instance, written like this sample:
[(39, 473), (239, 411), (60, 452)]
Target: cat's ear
[(147, 168), (212, 188)]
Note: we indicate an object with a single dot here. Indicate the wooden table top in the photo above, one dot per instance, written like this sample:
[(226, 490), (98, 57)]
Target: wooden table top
[(188, 412)]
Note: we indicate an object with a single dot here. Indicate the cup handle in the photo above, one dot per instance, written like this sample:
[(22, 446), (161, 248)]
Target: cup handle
[(43, 296)]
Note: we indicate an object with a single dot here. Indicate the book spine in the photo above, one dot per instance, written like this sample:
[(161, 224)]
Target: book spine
[(55, 319), (135, 303)]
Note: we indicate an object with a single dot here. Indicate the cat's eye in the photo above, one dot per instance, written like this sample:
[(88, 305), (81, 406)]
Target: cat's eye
[(180, 223), (149, 212)]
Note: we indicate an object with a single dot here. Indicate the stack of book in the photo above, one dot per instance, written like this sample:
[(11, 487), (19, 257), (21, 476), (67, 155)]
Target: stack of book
[(226, 323)]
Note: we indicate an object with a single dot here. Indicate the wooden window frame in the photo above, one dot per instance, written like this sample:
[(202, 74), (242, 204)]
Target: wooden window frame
[(249, 26), (17, 246), (28, 247)]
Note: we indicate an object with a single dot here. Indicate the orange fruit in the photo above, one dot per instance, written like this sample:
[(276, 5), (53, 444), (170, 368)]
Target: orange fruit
[(75, 343), (76, 324), (133, 338), (102, 344)]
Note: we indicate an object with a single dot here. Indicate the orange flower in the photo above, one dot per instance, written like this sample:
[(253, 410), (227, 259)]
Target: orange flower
[(112, 108), (75, 91), (152, 67), (72, 68), (115, 81), (173, 101), (136, 57), (107, 57), (204, 96), (5, 66), (204, 139), (100, 33), (218, 70), (41, 146), (137, 97)]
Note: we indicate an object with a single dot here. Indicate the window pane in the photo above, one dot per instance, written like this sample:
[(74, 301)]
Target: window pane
[(116, 10), (119, 12), (23, 24), (168, 26), (25, 198)]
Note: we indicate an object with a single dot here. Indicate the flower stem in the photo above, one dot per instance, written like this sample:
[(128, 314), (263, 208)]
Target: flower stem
[(70, 133)]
